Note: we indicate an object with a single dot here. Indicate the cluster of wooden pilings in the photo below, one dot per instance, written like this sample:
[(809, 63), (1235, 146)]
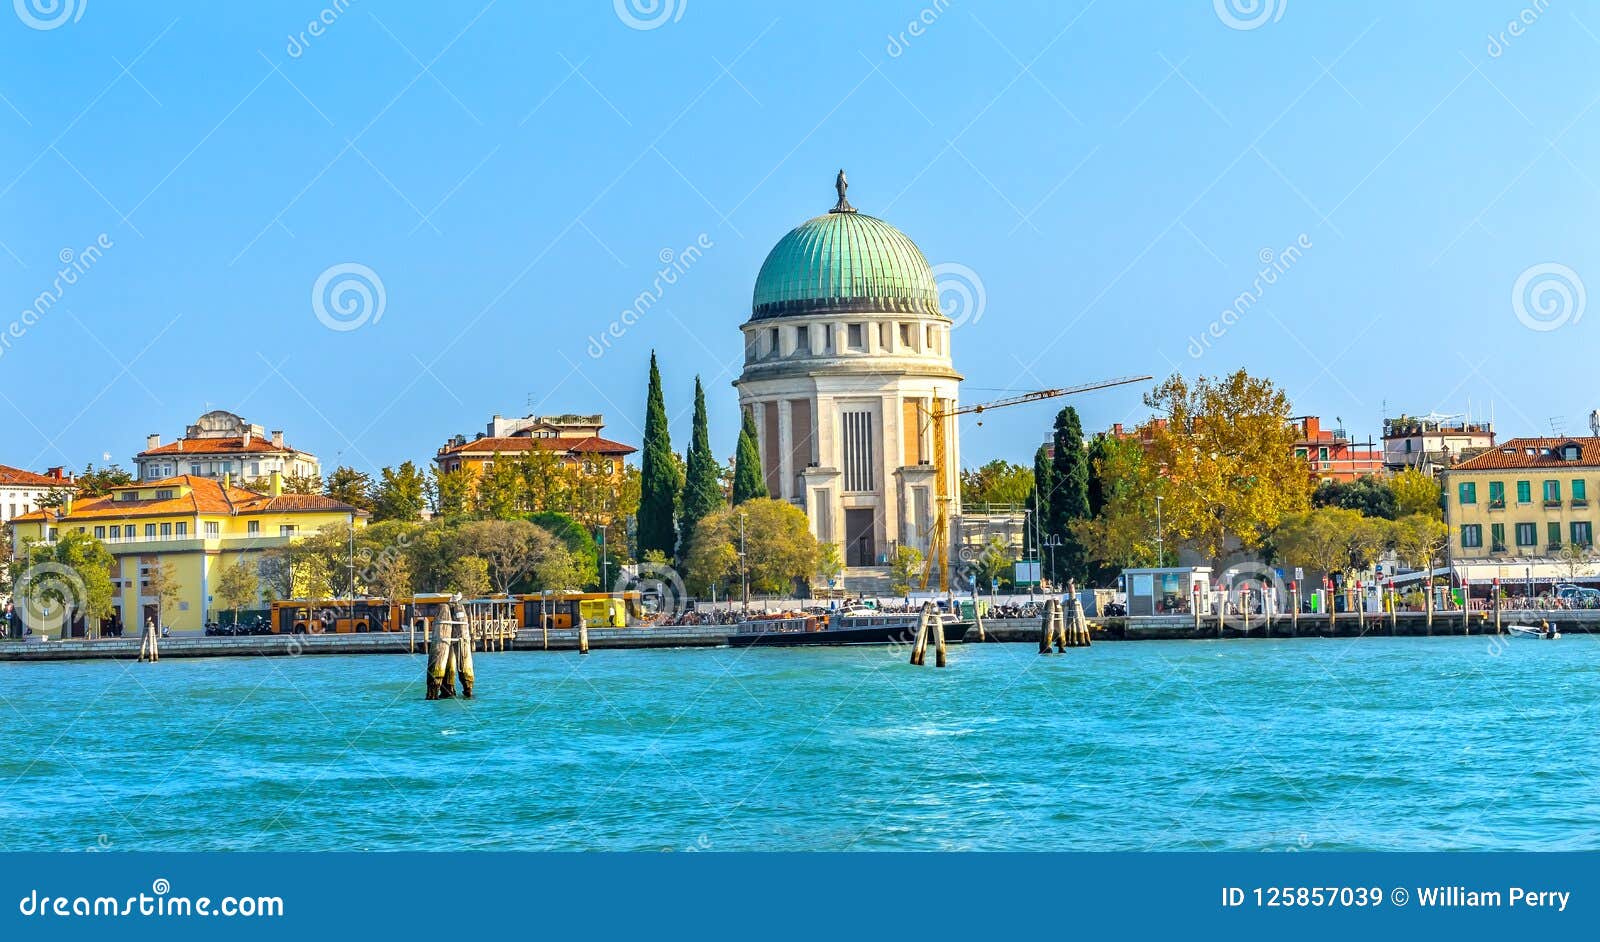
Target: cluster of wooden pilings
[(447, 633), (150, 643), (928, 623), (1063, 626)]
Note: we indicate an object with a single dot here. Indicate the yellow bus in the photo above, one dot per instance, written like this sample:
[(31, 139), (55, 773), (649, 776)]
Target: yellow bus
[(598, 609)]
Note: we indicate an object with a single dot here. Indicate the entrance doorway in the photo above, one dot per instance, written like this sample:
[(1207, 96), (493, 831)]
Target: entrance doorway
[(860, 549)]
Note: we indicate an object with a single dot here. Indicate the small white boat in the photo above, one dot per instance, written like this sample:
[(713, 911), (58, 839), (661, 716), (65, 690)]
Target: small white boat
[(1533, 631)]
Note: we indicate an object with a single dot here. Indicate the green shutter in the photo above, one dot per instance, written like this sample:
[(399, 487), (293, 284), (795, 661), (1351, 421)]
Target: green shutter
[(1524, 492), (1580, 491)]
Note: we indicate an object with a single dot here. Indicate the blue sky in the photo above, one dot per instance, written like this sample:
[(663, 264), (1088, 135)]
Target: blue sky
[(1112, 173)]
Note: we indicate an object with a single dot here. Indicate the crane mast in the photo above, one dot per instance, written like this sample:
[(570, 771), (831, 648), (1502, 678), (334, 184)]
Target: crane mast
[(939, 539)]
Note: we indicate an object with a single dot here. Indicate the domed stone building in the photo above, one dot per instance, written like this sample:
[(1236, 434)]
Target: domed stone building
[(846, 354)]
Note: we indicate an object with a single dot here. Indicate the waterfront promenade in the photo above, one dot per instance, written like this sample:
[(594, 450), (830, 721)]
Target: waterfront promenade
[(1014, 630)]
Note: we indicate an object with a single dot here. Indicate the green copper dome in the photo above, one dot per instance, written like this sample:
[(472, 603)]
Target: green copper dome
[(844, 261)]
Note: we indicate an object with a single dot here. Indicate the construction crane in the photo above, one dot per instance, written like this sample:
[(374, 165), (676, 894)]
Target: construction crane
[(938, 544)]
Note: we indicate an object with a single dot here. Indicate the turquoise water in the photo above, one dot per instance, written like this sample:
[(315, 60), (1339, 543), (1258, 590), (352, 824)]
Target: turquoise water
[(1440, 743)]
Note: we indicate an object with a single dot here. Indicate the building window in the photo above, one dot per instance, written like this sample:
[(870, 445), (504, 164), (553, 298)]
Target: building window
[(1582, 533), (213, 529), (286, 529), (1580, 492), (1553, 532), (1524, 492), (883, 336), (1471, 536), (858, 471), (1552, 493), (116, 532), (856, 338), (252, 528), (1468, 492), (1497, 493), (99, 533), (772, 342), (181, 528), (149, 531), (1526, 534), (1322, 454), (166, 529), (1497, 537), (905, 336)]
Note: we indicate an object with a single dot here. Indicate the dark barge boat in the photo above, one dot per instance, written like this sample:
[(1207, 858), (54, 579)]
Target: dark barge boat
[(803, 630)]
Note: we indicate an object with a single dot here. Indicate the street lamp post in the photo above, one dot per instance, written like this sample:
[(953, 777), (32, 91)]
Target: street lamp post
[(744, 571), (1161, 544), (1053, 541)]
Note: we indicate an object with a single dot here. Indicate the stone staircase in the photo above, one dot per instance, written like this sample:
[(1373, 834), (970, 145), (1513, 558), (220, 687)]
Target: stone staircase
[(867, 580)]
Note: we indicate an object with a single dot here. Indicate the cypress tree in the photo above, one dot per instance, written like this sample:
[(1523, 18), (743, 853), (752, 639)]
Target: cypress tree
[(747, 480), (1044, 485), (1070, 502), (702, 495), (658, 477)]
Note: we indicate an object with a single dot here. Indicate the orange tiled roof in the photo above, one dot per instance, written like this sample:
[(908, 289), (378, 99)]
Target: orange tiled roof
[(205, 496), (593, 445), (16, 477), (217, 446), (1529, 453)]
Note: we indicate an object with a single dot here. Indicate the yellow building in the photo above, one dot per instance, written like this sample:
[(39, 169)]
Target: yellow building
[(198, 525), (1515, 508)]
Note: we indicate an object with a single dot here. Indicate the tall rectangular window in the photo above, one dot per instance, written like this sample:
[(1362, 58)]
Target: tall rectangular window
[(1497, 493), (858, 451), (855, 337), (1553, 531), (1471, 536), (1552, 492), (1497, 537), (1468, 492), (1582, 533), (1527, 535), (1524, 492), (1580, 491)]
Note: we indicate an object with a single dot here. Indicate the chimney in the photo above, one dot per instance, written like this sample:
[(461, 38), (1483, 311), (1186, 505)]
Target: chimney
[(152, 442), (277, 438), (66, 503), (227, 477), (57, 473), (275, 484), (246, 438)]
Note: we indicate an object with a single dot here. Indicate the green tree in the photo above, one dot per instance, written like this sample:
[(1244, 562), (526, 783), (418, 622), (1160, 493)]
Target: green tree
[(91, 482), (829, 562), (997, 482), (1069, 501), (1044, 485), (497, 491), (239, 586), (659, 484), (70, 578), (349, 486), (905, 568), (1415, 493), (511, 548), (995, 563), (383, 557), (302, 484), (1225, 450), (1419, 539), (469, 575), (702, 494), (400, 494), (1123, 491), (779, 548), (748, 484), (450, 492), (1366, 495), (583, 549)]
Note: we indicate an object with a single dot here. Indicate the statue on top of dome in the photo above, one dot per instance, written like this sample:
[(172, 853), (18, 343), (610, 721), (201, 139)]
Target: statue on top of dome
[(841, 184)]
